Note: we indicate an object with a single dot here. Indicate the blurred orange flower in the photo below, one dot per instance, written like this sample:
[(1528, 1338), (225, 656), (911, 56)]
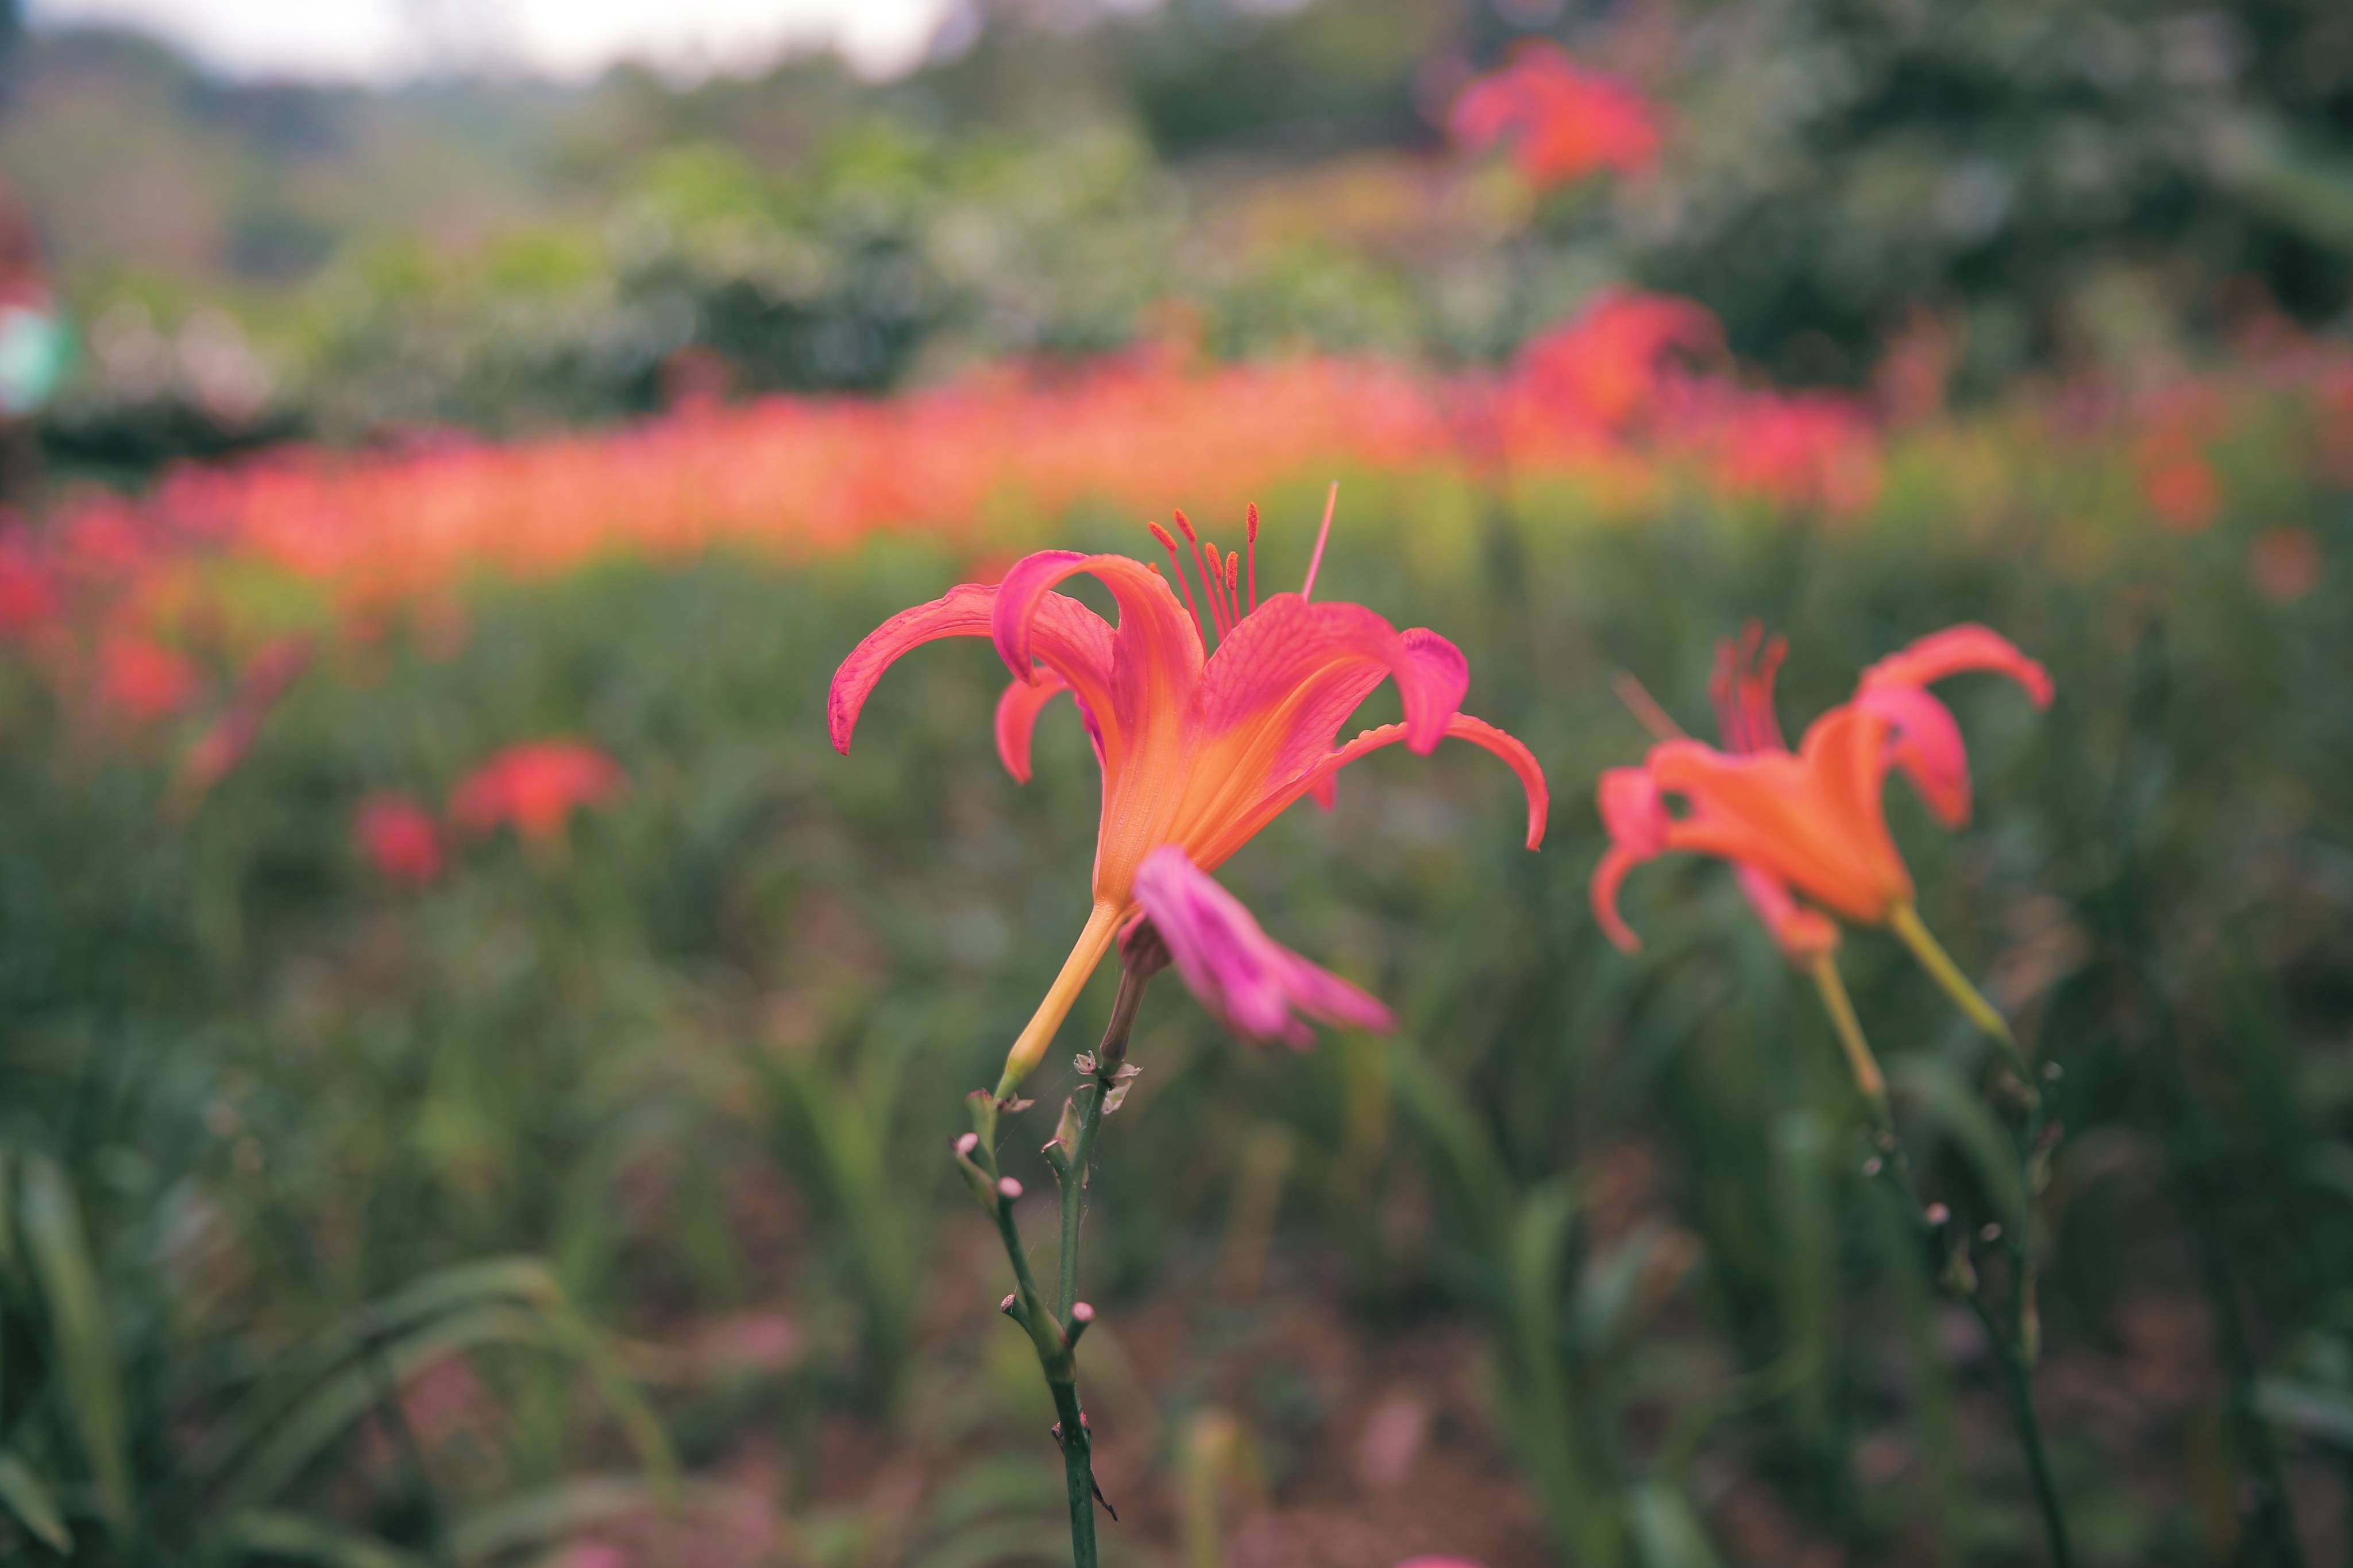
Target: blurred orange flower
[(1563, 122), (1812, 821), (534, 787)]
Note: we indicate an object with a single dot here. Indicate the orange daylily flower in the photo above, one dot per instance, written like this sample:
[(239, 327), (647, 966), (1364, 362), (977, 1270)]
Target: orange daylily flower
[(1200, 750), (1812, 821)]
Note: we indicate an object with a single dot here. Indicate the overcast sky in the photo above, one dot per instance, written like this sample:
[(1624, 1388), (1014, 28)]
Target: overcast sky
[(387, 39)]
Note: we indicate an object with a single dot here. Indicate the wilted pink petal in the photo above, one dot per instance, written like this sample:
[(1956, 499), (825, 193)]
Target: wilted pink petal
[(1250, 981)]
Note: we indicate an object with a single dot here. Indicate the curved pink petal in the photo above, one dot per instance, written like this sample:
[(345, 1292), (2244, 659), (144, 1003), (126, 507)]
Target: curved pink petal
[(1957, 649), (1632, 812), (1156, 654), (1460, 727), (1252, 983), (1804, 934), (1016, 717), (1074, 642), (1608, 877), (1308, 665), (1924, 742), (1636, 821)]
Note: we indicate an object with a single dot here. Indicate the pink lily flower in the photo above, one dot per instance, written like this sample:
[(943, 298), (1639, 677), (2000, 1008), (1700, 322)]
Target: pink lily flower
[(1249, 982), (1198, 749)]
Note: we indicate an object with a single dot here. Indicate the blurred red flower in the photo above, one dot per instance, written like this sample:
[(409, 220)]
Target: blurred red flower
[(1800, 448), (534, 786), (1563, 122), (29, 593), (2285, 563), (1609, 365), (267, 675), (399, 837), (142, 680), (2183, 491)]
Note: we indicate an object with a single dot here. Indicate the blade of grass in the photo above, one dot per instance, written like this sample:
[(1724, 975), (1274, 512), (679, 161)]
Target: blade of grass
[(27, 1496), (79, 1324)]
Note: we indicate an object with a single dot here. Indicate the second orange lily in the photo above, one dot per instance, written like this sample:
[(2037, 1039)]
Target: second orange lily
[(1812, 821)]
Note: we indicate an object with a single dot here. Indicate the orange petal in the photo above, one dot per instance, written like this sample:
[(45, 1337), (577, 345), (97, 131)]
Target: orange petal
[(1954, 650)]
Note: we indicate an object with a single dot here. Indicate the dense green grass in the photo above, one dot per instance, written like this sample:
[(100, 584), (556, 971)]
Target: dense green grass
[(705, 1061)]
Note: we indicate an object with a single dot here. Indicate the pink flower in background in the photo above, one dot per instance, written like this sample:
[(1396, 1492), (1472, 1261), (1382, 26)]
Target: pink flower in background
[(2285, 563), (267, 676), (142, 680), (536, 786), (2183, 490), (399, 837), (1562, 121), (1251, 982), (28, 590), (1438, 1563), (1803, 448), (1609, 365)]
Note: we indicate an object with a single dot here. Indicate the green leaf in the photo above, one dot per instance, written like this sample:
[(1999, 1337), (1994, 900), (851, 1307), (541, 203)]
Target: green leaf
[(79, 1324), (567, 1508), (510, 1280), (983, 1545), (27, 1496), (263, 1532), (1946, 1099), (332, 1407), (1611, 1288), (8, 1212), (1446, 1120), (1667, 1531), (2326, 1414)]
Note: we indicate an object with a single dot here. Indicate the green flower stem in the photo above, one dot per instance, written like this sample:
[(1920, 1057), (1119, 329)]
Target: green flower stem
[(2016, 1346), (1054, 1327), (1859, 1060), (1905, 922)]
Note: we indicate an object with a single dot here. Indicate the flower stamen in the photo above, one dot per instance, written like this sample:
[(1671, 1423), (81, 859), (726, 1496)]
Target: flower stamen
[(1315, 561), (1184, 584), (1645, 708), (1185, 526), (1249, 530)]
